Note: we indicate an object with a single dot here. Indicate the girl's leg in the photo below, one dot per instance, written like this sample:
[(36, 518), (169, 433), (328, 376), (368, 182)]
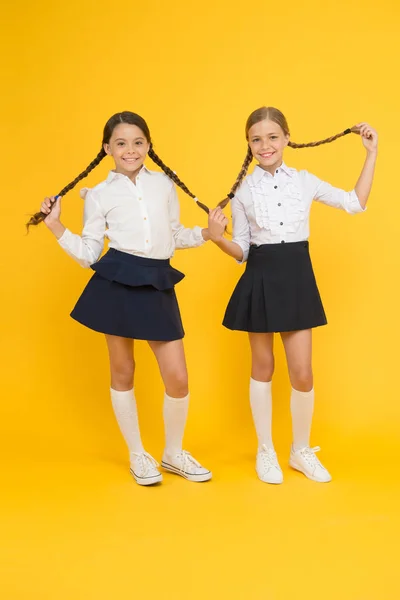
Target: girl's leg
[(172, 364), (262, 359), (298, 348), (122, 363), (262, 369), (122, 367)]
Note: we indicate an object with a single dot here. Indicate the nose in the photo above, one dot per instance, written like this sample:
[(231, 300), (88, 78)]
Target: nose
[(130, 149), (265, 146)]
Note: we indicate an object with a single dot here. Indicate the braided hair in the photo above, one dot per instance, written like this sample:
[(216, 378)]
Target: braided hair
[(173, 176), (275, 115), (131, 119)]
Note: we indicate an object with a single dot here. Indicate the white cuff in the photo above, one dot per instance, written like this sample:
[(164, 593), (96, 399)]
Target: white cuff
[(198, 236), (245, 248), (63, 240), (354, 206)]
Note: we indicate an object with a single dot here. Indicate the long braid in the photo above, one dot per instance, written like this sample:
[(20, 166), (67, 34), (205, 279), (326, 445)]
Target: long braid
[(39, 217), (239, 179), (249, 158), (173, 176), (84, 173), (326, 140)]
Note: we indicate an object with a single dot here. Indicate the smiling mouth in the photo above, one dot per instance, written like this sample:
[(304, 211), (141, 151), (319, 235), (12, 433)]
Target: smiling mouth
[(267, 154)]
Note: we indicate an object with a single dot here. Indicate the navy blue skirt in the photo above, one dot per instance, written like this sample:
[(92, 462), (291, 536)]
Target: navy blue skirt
[(132, 297), (277, 292)]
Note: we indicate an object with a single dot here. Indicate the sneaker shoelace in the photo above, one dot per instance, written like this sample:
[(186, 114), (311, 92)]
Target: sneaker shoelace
[(268, 457), (188, 462), (145, 463), (309, 456)]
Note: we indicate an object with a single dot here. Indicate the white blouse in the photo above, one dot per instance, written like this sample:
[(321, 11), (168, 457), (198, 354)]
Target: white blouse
[(273, 209), (140, 219)]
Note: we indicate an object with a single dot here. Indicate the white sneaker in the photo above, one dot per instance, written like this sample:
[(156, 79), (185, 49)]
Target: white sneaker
[(267, 466), (306, 462), (186, 466), (144, 468)]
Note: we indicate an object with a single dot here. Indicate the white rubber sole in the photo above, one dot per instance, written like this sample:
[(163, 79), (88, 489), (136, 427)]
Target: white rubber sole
[(189, 476), (146, 480), (297, 467), (271, 482)]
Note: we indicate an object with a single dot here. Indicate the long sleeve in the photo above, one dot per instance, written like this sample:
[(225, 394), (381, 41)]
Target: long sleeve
[(241, 228), (335, 197), (184, 237), (86, 248)]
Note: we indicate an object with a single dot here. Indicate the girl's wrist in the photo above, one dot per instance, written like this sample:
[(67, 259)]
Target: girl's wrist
[(217, 238), (56, 227), (52, 223), (206, 234)]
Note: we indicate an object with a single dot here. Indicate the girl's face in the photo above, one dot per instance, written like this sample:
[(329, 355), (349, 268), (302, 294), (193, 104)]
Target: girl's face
[(267, 142), (129, 147)]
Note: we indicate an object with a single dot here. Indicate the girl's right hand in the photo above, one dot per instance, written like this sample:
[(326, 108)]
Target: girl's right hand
[(217, 223), (369, 137), (52, 208)]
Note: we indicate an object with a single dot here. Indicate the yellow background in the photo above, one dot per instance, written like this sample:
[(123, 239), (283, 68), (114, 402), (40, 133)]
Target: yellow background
[(75, 525)]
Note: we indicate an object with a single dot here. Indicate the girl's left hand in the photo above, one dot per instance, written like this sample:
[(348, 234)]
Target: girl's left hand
[(369, 137), (217, 223)]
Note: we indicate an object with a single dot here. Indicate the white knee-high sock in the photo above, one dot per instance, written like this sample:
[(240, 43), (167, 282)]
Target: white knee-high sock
[(175, 415), (261, 408), (302, 408), (124, 405)]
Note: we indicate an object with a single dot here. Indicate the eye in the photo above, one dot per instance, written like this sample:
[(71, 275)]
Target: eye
[(274, 137), (120, 143), (256, 139), (139, 143)]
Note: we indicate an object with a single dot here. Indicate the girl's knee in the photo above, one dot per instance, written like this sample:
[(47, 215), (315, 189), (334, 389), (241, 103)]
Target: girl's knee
[(122, 372), (263, 368), (302, 379), (177, 384)]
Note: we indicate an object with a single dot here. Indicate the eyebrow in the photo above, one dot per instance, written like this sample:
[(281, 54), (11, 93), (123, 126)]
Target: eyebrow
[(124, 140), (267, 134)]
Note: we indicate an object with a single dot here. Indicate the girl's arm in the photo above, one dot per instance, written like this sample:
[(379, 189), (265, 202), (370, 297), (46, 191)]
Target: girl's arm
[(363, 186), (354, 201), (238, 248), (87, 248), (217, 223), (184, 237)]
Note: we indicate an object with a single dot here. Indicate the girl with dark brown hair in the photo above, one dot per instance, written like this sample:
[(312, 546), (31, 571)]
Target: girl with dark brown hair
[(131, 294), (277, 292)]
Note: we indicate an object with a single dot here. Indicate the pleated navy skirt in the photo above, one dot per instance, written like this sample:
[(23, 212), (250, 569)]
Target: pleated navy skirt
[(131, 297), (277, 292)]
